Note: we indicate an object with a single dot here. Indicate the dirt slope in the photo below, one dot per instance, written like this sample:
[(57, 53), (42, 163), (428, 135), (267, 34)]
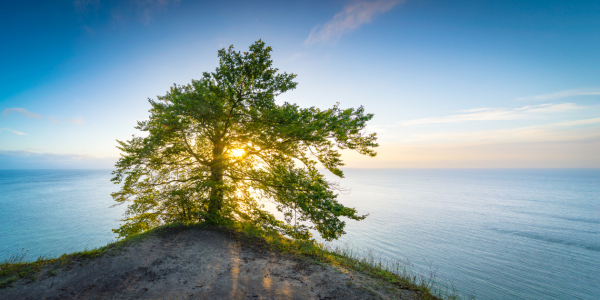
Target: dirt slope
[(200, 264)]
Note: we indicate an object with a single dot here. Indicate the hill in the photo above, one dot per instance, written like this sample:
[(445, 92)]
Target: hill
[(194, 262)]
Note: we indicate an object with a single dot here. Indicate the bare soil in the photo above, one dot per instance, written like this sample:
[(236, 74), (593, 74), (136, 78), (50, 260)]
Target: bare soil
[(200, 264)]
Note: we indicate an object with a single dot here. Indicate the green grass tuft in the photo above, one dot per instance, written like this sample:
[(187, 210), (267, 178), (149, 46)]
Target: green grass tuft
[(397, 273)]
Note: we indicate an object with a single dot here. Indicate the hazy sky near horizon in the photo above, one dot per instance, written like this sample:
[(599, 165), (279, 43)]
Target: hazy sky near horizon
[(451, 83)]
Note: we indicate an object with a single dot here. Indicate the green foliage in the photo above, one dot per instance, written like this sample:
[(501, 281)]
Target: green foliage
[(15, 267), (219, 147)]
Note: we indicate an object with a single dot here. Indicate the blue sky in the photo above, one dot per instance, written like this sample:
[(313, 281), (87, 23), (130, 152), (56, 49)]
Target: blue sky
[(451, 83)]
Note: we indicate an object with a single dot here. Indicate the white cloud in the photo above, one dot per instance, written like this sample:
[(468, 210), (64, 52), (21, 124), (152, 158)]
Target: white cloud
[(488, 114), (476, 109), (53, 120), (349, 19), (549, 107), (562, 94), (78, 121), (13, 131), (562, 131), (145, 10), (475, 116), (297, 55), (84, 6), (20, 111), (579, 122)]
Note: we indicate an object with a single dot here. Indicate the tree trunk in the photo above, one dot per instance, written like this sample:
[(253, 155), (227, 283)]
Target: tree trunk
[(216, 194)]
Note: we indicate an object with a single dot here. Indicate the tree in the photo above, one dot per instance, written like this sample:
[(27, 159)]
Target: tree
[(219, 147)]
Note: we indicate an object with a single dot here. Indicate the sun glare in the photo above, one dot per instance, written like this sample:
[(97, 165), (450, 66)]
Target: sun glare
[(237, 152)]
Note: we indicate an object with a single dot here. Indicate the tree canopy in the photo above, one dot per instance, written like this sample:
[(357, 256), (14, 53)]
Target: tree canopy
[(220, 147)]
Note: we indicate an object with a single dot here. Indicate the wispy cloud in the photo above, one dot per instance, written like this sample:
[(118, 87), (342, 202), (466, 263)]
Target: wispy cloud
[(562, 131), (297, 55), (84, 6), (119, 10), (476, 109), (349, 19), (579, 122), (78, 121), (20, 111), (147, 8), (13, 131), (549, 107), (53, 120), (8, 111), (562, 94), (490, 114)]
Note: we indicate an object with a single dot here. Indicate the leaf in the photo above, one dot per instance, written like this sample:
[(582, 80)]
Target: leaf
[(188, 168)]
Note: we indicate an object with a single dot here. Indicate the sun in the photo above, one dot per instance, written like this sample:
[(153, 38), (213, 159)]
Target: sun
[(237, 152)]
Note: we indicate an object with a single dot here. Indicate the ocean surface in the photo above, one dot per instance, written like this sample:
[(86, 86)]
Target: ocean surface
[(51, 212), (493, 234)]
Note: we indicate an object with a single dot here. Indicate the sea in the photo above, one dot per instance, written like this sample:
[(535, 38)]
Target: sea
[(486, 233)]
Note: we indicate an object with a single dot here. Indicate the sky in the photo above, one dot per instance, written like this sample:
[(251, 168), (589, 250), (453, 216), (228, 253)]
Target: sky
[(452, 84)]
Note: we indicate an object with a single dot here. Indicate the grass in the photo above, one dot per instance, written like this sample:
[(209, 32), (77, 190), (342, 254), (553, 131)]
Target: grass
[(16, 267), (398, 274)]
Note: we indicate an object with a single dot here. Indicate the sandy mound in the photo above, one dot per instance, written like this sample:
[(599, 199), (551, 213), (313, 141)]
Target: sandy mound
[(200, 264)]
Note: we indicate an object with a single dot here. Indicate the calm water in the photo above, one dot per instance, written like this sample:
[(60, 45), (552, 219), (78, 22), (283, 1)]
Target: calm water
[(497, 234), (500, 234), (50, 212)]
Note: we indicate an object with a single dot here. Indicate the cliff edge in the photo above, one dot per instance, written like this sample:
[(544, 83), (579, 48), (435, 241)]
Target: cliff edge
[(197, 263)]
